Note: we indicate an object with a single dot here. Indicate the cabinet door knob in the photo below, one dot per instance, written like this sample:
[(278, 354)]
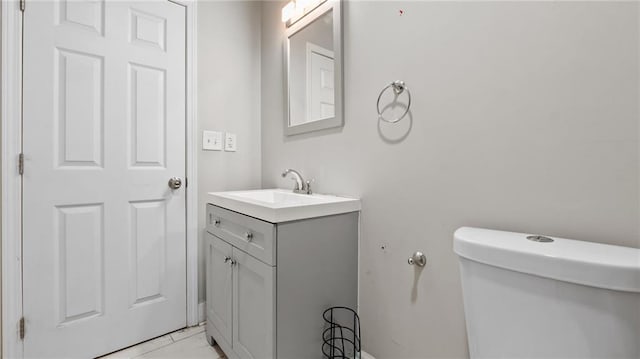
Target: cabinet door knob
[(227, 259), (216, 222), (248, 236)]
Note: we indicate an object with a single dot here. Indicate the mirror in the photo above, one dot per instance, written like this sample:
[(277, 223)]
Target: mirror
[(314, 71)]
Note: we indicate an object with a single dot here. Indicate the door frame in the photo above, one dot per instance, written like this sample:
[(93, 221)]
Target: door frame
[(11, 186)]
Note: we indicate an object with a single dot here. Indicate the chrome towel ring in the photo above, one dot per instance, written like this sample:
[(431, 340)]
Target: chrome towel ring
[(398, 88)]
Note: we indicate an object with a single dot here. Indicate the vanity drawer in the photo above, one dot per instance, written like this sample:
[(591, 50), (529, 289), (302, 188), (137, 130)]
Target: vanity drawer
[(251, 235)]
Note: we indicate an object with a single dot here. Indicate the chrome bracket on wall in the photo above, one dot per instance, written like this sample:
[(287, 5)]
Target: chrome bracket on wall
[(418, 258), (398, 88)]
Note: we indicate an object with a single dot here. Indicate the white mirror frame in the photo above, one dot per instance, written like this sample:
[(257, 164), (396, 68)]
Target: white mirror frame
[(338, 119)]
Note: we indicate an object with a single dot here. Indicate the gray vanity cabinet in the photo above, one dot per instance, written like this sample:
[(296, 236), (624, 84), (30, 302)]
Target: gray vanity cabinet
[(267, 284), (253, 308), (219, 292), (240, 300)]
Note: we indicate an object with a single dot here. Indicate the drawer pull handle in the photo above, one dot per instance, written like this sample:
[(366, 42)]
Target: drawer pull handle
[(216, 222), (248, 236)]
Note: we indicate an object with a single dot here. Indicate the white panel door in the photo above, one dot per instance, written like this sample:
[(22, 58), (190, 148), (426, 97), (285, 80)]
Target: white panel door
[(321, 97), (104, 131)]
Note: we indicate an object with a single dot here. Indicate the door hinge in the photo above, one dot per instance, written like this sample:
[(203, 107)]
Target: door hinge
[(23, 4), (21, 164), (21, 328)]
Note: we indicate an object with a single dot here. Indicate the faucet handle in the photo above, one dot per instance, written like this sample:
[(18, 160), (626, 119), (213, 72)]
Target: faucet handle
[(308, 185)]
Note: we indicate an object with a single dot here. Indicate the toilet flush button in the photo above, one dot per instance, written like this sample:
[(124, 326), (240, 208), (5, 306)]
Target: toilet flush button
[(541, 239)]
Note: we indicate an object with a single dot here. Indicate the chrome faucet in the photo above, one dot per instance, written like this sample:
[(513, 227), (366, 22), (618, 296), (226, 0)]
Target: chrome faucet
[(302, 186)]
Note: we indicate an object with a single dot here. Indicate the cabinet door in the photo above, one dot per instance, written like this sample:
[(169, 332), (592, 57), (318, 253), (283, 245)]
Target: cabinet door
[(219, 274), (254, 307)]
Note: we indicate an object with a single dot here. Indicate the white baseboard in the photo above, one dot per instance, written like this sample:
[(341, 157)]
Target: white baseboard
[(202, 312), (366, 355)]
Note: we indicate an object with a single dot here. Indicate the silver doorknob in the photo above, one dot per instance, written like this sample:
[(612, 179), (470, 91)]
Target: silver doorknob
[(418, 258), (175, 182), (248, 236)]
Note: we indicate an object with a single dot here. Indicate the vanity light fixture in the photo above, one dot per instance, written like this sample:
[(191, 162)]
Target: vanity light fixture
[(296, 9)]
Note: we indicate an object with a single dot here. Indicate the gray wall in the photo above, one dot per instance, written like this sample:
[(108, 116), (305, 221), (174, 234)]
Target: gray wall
[(228, 99), (525, 118)]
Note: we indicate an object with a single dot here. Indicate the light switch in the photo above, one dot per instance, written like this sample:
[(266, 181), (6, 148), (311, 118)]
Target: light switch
[(230, 144), (212, 140)]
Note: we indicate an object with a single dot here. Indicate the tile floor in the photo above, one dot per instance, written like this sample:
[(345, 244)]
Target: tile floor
[(186, 343)]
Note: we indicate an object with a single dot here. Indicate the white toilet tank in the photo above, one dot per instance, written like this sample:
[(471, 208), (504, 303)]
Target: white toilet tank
[(560, 299)]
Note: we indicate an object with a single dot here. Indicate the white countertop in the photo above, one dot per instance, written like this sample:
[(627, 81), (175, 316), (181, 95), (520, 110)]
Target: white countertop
[(281, 205)]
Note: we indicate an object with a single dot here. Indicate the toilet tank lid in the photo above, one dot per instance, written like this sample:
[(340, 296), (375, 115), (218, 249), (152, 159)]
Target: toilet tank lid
[(588, 263)]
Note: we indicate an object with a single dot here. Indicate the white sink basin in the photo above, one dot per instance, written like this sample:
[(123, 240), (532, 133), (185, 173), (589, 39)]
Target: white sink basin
[(280, 205)]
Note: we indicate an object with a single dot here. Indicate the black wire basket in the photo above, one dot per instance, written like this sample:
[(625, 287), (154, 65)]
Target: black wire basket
[(341, 336)]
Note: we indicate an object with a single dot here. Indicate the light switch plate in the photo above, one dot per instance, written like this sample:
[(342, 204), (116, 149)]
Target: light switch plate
[(230, 144), (212, 140)]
